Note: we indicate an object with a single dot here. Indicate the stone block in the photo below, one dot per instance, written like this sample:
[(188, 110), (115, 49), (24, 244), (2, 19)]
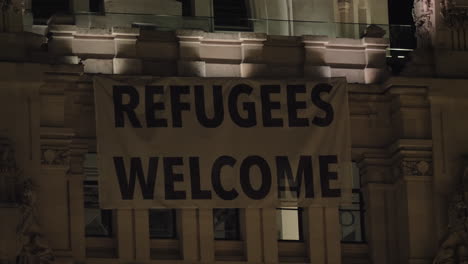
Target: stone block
[(104, 66), (222, 70), (127, 66), (191, 68)]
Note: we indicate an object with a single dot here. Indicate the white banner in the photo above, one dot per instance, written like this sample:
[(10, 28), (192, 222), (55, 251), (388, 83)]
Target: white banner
[(222, 142)]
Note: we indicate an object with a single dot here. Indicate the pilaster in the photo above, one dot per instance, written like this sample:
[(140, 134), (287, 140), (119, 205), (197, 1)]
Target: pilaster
[(77, 213), (413, 173), (54, 190), (375, 171)]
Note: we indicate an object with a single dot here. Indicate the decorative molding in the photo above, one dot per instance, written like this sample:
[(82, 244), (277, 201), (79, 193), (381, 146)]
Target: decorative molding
[(57, 157), (416, 168), (33, 247), (55, 146)]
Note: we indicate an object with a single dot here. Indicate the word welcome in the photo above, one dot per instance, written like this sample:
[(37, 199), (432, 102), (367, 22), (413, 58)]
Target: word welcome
[(244, 116), (287, 181)]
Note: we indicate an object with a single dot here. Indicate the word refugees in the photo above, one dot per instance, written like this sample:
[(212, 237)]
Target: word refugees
[(241, 110)]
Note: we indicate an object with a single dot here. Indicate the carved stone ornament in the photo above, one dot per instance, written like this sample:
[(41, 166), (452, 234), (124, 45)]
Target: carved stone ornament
[(416, 168), (17, 6), (454, 245), (453, 16), (33, 247), (58, 157), (422, 17)]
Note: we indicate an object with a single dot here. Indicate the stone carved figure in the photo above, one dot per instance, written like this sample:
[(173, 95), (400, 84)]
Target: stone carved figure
[(422, 17), (454, 246), (33, 249)]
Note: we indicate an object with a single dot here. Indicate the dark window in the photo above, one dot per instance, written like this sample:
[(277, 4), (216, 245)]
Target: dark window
[(44, 9), (400, 14), (98, 222), (187, 7), (226, 224), (289, 222), (162, 223), (352, 217), (231, 15), (96, 6)]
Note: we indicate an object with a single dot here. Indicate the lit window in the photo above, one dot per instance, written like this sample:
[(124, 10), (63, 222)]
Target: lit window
[(231, 15), (289, 221), (226, 224), (352, 217), (162, 223), (98, 222)]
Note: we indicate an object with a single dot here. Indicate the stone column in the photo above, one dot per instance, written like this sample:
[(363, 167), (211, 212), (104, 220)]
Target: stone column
[(54, 190), (412, 170), (415, 213)]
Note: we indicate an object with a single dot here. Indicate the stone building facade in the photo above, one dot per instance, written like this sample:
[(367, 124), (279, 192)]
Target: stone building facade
[(409, 132)]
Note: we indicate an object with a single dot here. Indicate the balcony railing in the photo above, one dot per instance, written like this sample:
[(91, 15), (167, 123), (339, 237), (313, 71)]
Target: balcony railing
[(401, 36)]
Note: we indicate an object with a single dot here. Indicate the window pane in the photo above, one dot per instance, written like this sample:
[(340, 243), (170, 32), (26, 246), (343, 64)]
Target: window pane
[(162, 223), (351, 229), (289, 223), (98, 222), (226, 224)]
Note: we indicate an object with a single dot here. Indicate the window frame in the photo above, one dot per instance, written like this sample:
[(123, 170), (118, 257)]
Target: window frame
[(362, 211), (238, 233), (109, 212), (174, 224)]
